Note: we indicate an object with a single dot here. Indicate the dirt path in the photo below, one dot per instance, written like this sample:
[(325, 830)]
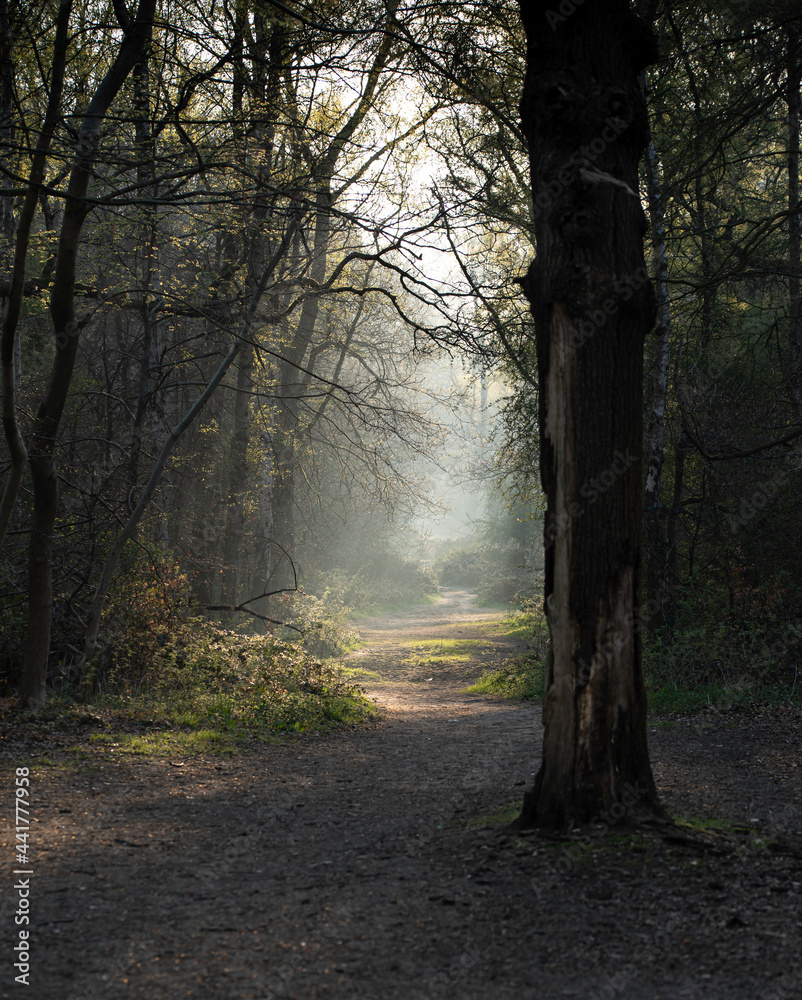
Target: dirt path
[(373, 863)]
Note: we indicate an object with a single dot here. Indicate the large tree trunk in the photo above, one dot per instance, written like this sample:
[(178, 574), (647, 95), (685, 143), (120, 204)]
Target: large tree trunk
[(585, 121)]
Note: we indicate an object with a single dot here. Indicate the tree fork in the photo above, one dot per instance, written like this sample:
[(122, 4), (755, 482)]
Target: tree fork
[(584, 118)]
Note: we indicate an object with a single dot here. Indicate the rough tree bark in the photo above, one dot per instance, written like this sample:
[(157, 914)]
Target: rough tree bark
[(585, 122)]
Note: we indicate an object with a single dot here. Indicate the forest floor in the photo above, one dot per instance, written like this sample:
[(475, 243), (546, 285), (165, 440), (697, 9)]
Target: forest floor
[(375, 862)]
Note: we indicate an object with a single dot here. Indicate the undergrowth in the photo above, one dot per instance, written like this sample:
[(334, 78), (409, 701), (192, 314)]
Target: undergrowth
[(725, 666), (382, 584), (520, 677), (214, 693), (726, 654), (233, 685)]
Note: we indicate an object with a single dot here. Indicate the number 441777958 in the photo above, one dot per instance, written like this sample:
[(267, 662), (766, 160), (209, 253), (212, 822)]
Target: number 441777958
[(22, 814)]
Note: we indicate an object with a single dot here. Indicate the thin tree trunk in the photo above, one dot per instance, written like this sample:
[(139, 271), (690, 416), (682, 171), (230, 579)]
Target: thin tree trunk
[(6, 135), (66, 330), (794, 322), (234, 536), (585, 122), (282, 571), (150, 285), (668, 598), (265, 80), (699, 212), (656, 550), (10, 338)]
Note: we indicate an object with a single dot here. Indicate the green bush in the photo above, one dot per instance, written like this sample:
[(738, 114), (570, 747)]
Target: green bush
[(239, 685), (384, 581), (464, 567), (322, 622), (495, 572), (161, 660), (148, 619)]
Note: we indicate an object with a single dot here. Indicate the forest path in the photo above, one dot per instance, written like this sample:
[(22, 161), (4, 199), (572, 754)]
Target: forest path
[(373, 863), (425, 657)]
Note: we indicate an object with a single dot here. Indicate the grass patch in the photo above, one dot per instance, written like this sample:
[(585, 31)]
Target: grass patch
[(672, 698), (727, 829), (389, 608), (439, 652), (168, 742), (521, 678), (519, 625), (628, 841), (710, 825), (371, 609), (492, 605), (506, 814), (358, 673)]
